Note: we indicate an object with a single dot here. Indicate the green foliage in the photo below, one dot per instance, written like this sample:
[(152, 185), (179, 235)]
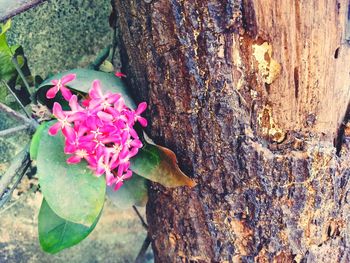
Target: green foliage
[(133, 192), (56, 233), (34, 145), (72, 191)]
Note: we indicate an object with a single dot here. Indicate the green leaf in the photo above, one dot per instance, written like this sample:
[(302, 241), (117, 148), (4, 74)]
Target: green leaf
[(159, 164), (83, 83), (71, 190), (107, 66), (56, 233), (8, 72), (133, 192), (4, 46), (34, 145), (5, 27)]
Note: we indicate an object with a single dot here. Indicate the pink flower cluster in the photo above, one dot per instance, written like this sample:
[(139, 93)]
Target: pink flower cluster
[(99, 130)]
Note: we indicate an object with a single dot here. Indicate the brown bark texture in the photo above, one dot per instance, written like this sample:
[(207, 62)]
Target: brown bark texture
[(252, 96)]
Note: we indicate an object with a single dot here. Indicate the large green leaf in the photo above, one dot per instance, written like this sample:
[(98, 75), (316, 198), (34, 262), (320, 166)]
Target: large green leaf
[(159, 164), (56, 233), (83, 83), (72, 191), (133, 192), (34, 145)]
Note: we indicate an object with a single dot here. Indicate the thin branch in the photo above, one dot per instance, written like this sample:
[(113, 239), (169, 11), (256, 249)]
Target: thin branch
[(19, 165), (21, 9), (17, 99), (141, 256), (10, 131), (140, 217)]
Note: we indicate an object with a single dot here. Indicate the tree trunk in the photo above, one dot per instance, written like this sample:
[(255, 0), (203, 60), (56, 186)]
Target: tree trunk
[(252, 96)]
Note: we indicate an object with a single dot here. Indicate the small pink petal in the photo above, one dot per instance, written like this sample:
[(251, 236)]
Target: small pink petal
[(73, 159), (119, 105), (141, 108), (119, 75), (142, 121), (73, 103), (68, 78), (133, 152), (66, 93), (136, 143), (51, 93), (118, 185), (54, 129), (127, 175), (120, 170), (133, 133), (110, 179), (69, 148), (105, 116), (69, 133), (76, 116), (57, 111), (96, 92)]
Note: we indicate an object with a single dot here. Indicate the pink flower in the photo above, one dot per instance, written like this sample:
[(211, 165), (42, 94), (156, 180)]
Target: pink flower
[(59, 85), (64, 121), (119, 181), (100, 130), (141, 108), (100, 100), (106, 163)]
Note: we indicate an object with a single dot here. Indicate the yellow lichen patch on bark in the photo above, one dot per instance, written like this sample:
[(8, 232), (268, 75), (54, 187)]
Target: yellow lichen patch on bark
[(268, 126), (269, 68)]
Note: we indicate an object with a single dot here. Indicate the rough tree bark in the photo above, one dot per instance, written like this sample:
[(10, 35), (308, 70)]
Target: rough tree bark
[(252, 96)]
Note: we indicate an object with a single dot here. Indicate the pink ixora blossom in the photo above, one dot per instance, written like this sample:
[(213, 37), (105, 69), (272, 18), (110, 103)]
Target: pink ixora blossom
[(59, 85), (100, 130)]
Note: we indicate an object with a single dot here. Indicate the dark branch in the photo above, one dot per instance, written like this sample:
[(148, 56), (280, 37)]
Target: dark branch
[(141, 256), (140, 217)]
